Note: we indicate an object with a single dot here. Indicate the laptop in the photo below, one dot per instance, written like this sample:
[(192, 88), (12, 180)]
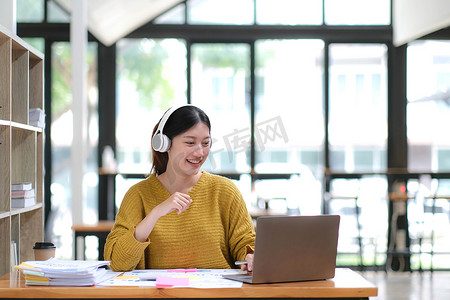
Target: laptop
[(293, 248)]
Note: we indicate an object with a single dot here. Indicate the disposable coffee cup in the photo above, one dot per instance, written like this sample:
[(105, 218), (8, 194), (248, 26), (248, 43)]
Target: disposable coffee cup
[(44, 250)]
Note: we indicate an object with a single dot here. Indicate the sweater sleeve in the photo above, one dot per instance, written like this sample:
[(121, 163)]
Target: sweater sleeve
[(241, 231), (121, 248)]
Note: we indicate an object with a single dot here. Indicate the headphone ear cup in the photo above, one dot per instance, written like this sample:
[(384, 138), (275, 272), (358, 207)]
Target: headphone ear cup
[(165, 143), (157, 142), (161, 142)]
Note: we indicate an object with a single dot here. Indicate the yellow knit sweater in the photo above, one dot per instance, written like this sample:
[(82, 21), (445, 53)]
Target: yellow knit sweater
[(211, 234)]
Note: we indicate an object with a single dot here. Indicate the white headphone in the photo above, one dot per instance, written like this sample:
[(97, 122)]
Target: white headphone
[(160, 141)]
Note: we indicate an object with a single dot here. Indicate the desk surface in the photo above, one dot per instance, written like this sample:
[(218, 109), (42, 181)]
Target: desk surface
[(346, 284)]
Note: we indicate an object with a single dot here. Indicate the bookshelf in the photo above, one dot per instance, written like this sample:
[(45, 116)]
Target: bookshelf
[(21, 146)]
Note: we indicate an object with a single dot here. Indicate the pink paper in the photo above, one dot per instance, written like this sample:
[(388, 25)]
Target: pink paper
[(171, 281), (182, 270)]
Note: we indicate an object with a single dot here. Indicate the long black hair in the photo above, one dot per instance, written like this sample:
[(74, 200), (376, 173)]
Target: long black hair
[(181, 120)]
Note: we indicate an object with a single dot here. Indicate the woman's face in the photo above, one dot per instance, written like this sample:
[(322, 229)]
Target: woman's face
[(190, 149)]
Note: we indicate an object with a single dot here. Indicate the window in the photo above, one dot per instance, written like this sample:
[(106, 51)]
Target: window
[(237, 12), (38, 43), (56, 14), (30, 11), (151, 77), (174, 16), (219, 76), (428, 110), (289, 121), (367, 195), (357, 12), (33, 11), (275, 143), (61, 140), (288, 104), (358, 107), (289, 12)]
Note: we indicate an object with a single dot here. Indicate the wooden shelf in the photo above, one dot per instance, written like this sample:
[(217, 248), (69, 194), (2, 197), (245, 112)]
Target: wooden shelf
[(16, 211), (21, 146)]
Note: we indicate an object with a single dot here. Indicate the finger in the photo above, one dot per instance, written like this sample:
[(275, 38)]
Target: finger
[(183, 197), (182, 206), (187, 199), (249, 259), (250, 267), (185, 202)]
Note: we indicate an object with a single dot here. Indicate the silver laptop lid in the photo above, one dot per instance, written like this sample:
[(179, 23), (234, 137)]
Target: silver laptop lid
[(295, 248)]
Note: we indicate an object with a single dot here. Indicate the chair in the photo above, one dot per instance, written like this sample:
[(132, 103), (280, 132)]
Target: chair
[(100, 229)]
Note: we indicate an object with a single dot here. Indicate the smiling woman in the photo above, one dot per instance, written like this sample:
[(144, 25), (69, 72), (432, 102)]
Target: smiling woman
[(181, 217)]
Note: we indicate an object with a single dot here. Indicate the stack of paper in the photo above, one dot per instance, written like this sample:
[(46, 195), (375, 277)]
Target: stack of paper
[(37, 117), (22, 195), (65, 272)]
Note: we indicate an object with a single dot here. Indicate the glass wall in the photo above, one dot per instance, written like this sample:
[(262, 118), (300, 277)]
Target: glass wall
[(236, 12), (151, 77), (357, 12), (358, 144), (60, 219), (358, 107), (280, 12), (220, 76), (279, 133), (289, 12), (33, 11), (363, 207), (428, 110), (428, 121), (289, 121), (30, 11)]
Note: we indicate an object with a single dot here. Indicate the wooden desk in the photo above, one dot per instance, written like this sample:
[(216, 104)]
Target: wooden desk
[(100, 230), (347, 284)]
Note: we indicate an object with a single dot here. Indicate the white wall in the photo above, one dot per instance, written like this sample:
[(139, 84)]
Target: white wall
[(413, 19)]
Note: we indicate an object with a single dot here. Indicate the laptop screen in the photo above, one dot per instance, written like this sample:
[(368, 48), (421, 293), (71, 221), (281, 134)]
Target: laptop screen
[(295, 248)]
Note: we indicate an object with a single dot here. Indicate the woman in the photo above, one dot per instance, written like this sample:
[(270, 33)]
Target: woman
[(181, 217)]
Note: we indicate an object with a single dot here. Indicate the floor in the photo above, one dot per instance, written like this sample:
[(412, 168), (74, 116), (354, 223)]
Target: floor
[(410, 286)]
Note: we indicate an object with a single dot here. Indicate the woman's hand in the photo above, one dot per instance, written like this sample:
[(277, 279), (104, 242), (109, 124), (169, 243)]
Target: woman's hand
[(177, 201), (249, 266)]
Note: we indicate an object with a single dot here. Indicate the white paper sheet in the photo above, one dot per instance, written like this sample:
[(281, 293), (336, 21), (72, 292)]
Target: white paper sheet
[(200, 278)]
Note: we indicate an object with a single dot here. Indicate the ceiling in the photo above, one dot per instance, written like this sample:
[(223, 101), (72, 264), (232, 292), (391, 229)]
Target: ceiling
[(111, 20), (413, 19)]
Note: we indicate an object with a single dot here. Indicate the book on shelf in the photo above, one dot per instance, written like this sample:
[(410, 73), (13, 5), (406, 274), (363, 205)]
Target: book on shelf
[(23, 186), (39, 124), (65, 272), (37, 117), (22, 202), (22, 194)]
